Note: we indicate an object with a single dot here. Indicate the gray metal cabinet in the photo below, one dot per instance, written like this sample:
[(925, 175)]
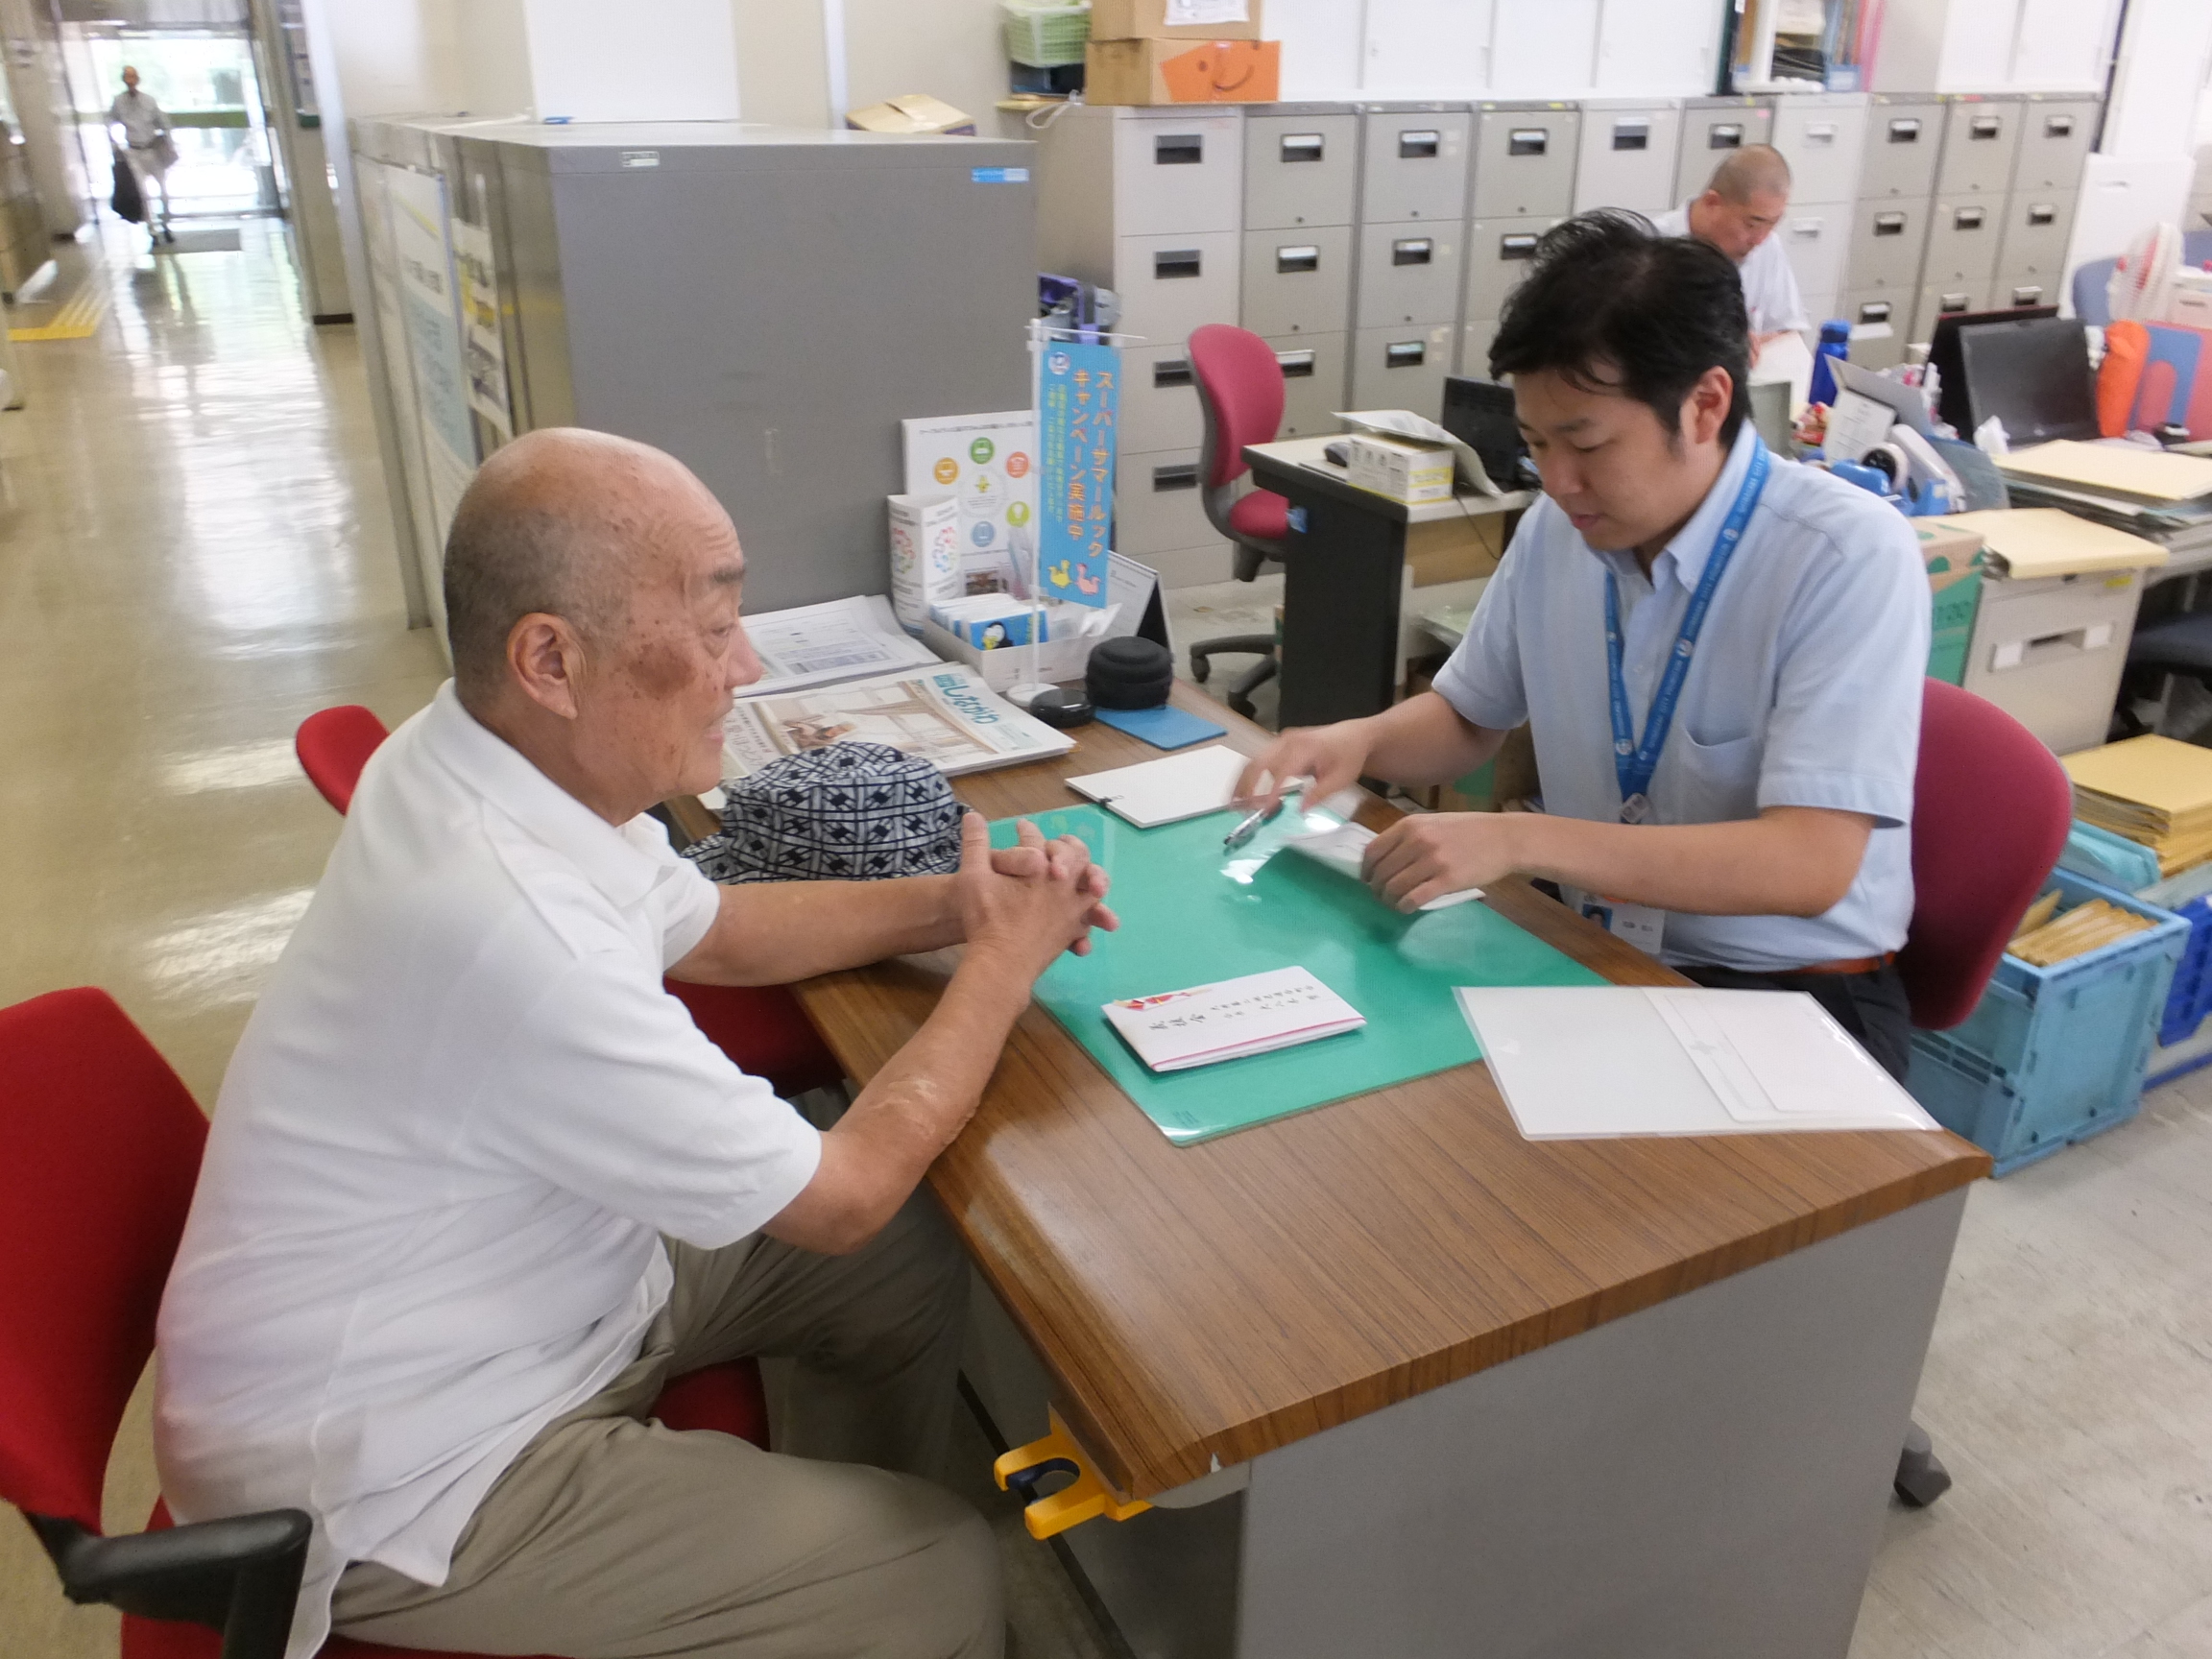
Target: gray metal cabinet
[(1402, 368), (1525, 157), (1711, 129), (1888, 239), (1626, 156), (1313, 366), (1962, 242), (1157, 507), (1904, 137), (1299, 281), (1408, 273), (1817, 237), (1823, 138), (1159, 399), (1980, 138), (1880, 319), (2050, 652), (1941, 299), (1301, 166), (1498, 256), (1413, 163), (2032, 246), (1174, 170), (2055, 138), (1171, 285), (2036, 289)]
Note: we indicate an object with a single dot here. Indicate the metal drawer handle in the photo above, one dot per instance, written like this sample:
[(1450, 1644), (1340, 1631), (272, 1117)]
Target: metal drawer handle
[(1421, 146), (1301, 147), (1179, 150), (1888, 224), (1528, 141), (1406, 354), (2042, 213), (1519, 245), (1984, 127), (1874, 311), (1175, 262), (1170, 372), (1820, 133), (2031, 295), (1632, 135), (1290, 261), (1904, 130), (1413, 251), (1950, 302), (1183, 475), (1968, 218), (1725, 135), (1807, 229), (1296, 365), (2057, 126)]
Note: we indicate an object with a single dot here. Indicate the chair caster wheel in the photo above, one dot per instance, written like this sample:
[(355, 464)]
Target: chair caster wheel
[(1200, 667), (1921, 1478)]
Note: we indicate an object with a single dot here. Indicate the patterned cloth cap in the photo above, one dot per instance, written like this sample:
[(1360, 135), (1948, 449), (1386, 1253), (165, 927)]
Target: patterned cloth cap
[(848, 813)]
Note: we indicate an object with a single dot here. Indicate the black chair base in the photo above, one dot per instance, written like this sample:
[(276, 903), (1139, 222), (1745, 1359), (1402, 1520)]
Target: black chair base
[(1921, 1478), (1239, 694)]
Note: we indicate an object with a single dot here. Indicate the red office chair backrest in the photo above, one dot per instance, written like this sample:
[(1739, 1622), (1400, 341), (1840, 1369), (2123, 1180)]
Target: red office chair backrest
[(1241, 388), (102, 1147), (333, 745), (1991, 810)]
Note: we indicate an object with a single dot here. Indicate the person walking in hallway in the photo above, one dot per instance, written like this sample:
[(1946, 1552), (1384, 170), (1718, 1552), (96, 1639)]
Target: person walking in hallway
[(141, 131)]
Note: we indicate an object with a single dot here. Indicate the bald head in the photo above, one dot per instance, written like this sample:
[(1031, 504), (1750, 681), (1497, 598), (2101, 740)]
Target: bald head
[(568, 523), (1755, 170)]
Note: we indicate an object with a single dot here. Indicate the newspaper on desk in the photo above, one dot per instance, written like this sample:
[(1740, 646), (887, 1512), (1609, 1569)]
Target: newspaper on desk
[(944, 716)]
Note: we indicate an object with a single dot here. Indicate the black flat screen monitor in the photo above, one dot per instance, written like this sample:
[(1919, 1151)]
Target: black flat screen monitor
[(1943, 353), (2033, 376), (1479, 414)]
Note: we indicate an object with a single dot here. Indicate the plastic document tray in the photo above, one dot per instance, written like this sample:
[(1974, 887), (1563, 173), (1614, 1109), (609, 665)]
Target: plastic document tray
[(1185, 922)]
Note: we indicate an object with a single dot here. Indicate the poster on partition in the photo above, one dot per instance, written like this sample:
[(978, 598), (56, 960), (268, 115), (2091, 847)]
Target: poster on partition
[(423, 259), (1078, 405), (985, 463), (483, 353)]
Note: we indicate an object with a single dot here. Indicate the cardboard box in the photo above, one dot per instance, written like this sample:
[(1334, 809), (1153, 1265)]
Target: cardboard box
[(911, 113), (1169, 72), (1153, 20), (925, 555), (1403, 470)]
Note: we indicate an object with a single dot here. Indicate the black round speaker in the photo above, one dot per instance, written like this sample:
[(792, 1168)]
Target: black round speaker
[(1130, 674)]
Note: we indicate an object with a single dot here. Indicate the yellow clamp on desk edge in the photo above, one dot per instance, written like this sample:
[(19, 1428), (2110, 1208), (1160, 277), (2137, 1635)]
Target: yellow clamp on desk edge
[(1086, 1495)]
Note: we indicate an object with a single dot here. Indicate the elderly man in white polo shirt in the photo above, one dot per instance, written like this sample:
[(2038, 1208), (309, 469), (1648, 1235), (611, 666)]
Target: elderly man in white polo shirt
[(1738, 214), (476, 1186)]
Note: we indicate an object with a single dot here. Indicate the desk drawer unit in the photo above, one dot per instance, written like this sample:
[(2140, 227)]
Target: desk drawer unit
[(2032, 245), (2050, 652), (1312, 382), (1177, 171), (1627, 157), (1524, 159), (1904, 137), (1980, 138), (1887, 238), (1299, 281), (1962, 242), (1408, 274), (2054, 137), (1880, 321), (1816, 239), (1301, 169), (1402, 368), (1941, 299), (1415, 164), (1822, 136), (1159, 407), (1172, 284), (1498, 256), (1156, 504), (1711, 129)]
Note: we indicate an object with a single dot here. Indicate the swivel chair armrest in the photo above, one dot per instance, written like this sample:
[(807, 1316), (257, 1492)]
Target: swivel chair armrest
[(239, 1575)]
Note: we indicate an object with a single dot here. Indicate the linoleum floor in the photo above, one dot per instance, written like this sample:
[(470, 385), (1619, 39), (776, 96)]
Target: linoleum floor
[(195, 554)]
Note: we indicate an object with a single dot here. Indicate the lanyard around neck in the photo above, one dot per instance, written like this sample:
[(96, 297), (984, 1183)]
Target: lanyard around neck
[(1634, 762)]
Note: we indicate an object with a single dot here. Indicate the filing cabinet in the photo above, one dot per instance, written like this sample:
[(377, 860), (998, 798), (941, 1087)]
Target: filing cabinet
[(1402, 368), (2054, 137), (2032, 246), (1313, 369), (1409, 273), (1879, 321), (1962, 242), (1301, 166), (2050, 651), (1823, 138), (1159, 399), (1711, 129), (1887, 238), (1524, 158), (1475, 348), (1298, 281), (1498, 256), (2008, 292), (1171, 285), (1176, 171), (1413, 162), (1904, 137), (1816, 238), (1159, 505), (1981, 139), (1941, 299), (1626, 156)]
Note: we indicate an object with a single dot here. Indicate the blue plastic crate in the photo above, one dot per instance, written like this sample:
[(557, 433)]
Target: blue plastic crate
[(2191, 997), (2053, 1055)]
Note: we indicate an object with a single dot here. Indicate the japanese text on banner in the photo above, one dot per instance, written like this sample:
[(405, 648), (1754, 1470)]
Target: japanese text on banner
[(1079, 397)]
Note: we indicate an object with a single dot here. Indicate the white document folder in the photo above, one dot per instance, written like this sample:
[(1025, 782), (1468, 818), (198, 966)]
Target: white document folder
[(1582, 1062)]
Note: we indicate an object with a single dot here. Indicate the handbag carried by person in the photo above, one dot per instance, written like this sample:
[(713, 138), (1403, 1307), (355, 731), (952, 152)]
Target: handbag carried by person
[(127, 200)]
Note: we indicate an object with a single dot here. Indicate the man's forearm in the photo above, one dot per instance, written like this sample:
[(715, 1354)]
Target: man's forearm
[(1422, 740), (1789, 862), (773, 932)]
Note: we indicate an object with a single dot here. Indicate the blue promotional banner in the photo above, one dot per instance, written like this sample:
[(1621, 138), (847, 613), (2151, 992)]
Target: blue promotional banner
[(1078, 403)]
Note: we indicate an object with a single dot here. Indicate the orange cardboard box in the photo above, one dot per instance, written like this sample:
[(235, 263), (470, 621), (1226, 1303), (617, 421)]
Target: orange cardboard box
[(1147, 20), (1148, 72)]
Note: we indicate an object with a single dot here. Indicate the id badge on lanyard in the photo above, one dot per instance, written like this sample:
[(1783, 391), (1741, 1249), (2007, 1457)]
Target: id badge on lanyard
[(1634, 761)]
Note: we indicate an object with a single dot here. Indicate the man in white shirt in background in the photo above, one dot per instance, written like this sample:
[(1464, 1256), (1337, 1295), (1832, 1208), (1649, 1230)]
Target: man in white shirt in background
[(477, 1186), (137, 126), (1738, 214)]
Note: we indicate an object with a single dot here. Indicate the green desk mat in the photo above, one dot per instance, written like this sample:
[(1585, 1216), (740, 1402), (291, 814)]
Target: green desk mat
[(1186, 922)]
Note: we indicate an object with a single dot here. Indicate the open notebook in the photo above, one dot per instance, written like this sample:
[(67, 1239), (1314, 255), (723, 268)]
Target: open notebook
[(1167, 791)]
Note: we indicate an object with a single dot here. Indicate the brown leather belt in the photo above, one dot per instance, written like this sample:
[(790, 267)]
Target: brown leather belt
[(1847, 965)]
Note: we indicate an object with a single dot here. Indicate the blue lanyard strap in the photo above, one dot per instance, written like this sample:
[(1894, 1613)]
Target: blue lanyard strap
[(1634, 762)]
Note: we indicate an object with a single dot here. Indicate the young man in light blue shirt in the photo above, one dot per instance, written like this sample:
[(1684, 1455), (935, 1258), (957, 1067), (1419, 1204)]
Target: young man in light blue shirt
[(1719, 654)]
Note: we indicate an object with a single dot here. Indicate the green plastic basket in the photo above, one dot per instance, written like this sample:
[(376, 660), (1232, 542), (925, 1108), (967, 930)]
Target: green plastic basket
[(1044, 36)]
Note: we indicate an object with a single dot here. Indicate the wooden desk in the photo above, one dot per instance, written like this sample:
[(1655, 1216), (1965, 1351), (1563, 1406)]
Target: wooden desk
[(1342, 581), (1633, 1397)]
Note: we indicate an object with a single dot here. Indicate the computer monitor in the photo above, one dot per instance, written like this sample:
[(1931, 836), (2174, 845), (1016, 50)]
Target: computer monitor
[(1479, 414), (2034, 376), (1943, 353)]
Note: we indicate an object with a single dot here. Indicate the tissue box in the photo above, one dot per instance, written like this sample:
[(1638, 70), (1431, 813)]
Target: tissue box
[(925, 555), (1154, 72), (1174, 19), (1402, 469)]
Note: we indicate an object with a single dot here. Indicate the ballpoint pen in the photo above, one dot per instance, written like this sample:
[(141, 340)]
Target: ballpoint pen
[(1250, 826)]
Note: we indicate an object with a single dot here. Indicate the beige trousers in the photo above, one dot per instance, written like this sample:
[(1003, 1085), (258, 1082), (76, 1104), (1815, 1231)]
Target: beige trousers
[(611, 1537)]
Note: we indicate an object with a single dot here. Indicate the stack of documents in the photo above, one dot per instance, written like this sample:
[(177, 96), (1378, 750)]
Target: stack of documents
[(2032, 541), (2157, 791), (2124, 469), (1257, 1014), (1583, 1062), (2045, 943)]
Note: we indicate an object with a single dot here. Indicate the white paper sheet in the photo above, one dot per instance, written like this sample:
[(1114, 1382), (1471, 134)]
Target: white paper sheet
[(1584, 1062), (1155, 792), (825, 644)]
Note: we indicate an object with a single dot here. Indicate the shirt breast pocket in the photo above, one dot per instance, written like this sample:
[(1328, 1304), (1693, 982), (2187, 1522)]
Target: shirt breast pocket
[(1713, 782)]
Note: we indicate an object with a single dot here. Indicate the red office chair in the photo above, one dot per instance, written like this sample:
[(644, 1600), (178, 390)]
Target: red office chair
[(1240, 388), (761, 1027), (103, 1147)]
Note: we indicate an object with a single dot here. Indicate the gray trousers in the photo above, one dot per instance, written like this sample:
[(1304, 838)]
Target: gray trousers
[(611, 1537)]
